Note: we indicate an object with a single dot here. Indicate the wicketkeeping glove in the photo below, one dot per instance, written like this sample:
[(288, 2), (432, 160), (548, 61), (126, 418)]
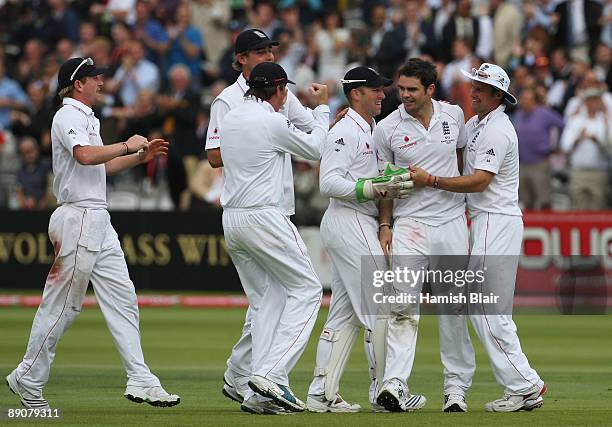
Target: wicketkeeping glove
[(395, 183)]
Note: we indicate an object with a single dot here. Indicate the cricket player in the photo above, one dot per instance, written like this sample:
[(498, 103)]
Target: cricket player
[(260, 238), (428, 228), (86, 245), (252, 47), (491, 181), (349, 231)]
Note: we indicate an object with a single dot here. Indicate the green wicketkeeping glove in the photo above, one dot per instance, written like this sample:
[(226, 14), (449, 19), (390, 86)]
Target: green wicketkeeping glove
[(395, 183)]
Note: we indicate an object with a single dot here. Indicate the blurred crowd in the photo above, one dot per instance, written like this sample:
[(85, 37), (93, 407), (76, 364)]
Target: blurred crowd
[(168, 59)]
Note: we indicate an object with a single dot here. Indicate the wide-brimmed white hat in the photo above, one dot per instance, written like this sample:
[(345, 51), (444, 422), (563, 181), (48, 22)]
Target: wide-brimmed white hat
[(493, 75)]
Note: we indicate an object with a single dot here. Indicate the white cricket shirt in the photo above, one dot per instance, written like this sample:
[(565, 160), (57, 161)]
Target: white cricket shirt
[(254, 144), (493, 146), (347, 155), (82, 185), (403, 140), (232, 97)]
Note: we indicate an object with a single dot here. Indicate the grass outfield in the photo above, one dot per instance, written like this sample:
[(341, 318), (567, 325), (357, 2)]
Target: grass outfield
[(187, 349)]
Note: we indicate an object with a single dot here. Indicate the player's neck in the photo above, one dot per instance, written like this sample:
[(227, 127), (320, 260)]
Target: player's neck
[(367, 117), (481, 116), (425, 114), (82, 100)]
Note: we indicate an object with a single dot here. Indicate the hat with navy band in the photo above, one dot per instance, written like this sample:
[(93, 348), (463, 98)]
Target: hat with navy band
[(252, 39), (76, 69), (267, 74)]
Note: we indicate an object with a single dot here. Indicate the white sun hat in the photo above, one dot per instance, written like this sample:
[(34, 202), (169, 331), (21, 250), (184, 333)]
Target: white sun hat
[(493, 75)]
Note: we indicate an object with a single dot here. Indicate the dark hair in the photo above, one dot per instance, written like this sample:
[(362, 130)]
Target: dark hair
[(263, 93), (425, 71)]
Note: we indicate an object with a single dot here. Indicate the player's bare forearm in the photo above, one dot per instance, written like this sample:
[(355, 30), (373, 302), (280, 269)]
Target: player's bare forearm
[(120, 164), (475, 183), (95, 155), (214, 157), (385, 211), (460, 160)]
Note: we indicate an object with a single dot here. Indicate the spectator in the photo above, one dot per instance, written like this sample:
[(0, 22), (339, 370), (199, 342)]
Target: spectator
[(534, 124), (186, 43), (586, 140), (212, 17), (65, 50), (135, 74), (578, 26), (35, 121), (455, 87), (30, 64), (377, 29), (476, 31), (87, 35), (33, 177), (150, 32), (507, 24), (180, 108), (11, 97), (63, 22), (410, 37), (330, 42), (121, 36), (263, 16)]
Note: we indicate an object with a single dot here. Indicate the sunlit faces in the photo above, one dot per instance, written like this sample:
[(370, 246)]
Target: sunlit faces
[(370, 99), (413, 94), (251, 58), (484, 98)]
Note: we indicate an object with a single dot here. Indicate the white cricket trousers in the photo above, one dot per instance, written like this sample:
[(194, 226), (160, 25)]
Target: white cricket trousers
[(86, 249), (350, 238), (420, 245), (501, 235), (268, 252)]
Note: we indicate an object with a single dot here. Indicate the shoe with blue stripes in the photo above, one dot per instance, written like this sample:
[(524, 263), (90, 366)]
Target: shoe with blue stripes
[(394, 397), (280, 394)]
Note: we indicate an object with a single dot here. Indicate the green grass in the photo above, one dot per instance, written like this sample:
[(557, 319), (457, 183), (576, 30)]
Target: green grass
[(187, 349)]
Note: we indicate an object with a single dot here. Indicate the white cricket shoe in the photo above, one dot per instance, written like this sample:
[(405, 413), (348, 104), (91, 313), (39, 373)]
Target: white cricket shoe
[(230, 390), (454, 403), (280, 394), (395, 397), (320, 404), (154, 396), (517, 402), (263, 406), (28, 399)]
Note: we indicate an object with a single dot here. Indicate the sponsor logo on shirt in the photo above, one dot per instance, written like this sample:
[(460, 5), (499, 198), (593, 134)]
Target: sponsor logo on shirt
[(71, 132), (340, 141), (490, 152)]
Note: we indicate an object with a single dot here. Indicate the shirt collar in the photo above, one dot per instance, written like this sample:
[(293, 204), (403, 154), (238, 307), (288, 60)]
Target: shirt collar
[(242, 83), (361, 122), (488, 117), (436, 112), (79, 105)]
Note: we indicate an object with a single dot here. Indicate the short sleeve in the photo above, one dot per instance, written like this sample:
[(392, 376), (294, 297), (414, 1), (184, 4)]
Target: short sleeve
[(218, 111), (72, 131), (462, 137), (490, 151)]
